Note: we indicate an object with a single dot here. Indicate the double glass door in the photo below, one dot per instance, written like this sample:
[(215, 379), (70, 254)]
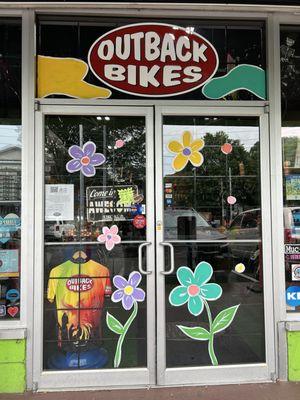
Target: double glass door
[(151, 260)]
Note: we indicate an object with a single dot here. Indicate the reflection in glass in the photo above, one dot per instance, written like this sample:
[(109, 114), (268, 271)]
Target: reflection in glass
[(236, 42), (81, 203), (212, 213), (290, 103), (10, 167)]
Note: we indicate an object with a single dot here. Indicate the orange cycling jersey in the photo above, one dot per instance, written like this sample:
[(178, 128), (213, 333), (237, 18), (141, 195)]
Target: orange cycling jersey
[(78, 290)]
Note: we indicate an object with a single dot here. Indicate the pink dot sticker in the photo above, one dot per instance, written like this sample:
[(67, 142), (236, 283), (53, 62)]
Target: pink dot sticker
[(226, 148), (231, 200), (119, 143)]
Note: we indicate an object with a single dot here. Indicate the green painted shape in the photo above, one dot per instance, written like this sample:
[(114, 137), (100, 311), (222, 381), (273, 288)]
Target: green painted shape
[(12, 351), (293, 340), (242, 77), (12, 378)]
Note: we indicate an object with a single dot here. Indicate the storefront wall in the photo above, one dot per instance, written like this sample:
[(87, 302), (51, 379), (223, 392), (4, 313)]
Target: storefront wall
[(281, 327)]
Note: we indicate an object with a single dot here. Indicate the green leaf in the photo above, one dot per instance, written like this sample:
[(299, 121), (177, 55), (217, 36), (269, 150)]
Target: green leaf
[(196, 332), (224, 319), (113, 324)]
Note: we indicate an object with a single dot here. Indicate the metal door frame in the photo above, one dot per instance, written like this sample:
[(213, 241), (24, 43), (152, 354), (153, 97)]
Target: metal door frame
[(109, 378), (239, 373)]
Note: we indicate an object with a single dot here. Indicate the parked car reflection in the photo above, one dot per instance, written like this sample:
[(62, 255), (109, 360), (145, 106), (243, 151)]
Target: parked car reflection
[(188, 224)]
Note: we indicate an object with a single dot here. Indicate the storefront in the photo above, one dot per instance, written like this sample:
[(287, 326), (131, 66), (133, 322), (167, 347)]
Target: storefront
[(150, 195)]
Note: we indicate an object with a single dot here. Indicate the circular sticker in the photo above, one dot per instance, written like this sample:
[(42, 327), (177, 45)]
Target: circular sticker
[(293, 296), (226, 148), (240, 268), (296, 272), (119, 143), (139, 221), (231, 200), (13, 295)]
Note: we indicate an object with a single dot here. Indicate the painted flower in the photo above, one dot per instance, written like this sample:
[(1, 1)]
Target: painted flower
[(127, 291), (84, 159), (188, 150), (194, 288), (109, 236)]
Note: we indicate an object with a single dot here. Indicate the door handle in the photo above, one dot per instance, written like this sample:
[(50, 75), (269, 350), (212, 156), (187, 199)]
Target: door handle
[(171, 270), (140, 258)]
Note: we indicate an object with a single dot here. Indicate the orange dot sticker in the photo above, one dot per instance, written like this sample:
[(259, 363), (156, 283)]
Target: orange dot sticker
[(226, 148)]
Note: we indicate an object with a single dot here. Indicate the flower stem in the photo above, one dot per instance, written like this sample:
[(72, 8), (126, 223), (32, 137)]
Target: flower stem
[(118, 354), (211, 350)]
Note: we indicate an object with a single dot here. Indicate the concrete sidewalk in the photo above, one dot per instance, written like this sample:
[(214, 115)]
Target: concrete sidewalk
[(267, 391)]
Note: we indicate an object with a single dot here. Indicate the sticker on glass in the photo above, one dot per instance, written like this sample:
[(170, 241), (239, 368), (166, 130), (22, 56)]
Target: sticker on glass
[(13, 311), (130, 295), (139, 222), (84, 159), (12, 295), (9, 224), (226, 148), (2, 310), (240, 268), (110, 237), (196, 292), (119, 143), (293, 296), (231, 200), (295, 270), (188, 150), (126, 197)]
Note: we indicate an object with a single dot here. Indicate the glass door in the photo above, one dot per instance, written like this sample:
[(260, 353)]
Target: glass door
[(94, 283), (214, 270)]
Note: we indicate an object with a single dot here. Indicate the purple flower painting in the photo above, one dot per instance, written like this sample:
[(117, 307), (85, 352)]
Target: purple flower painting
[(128, 291), (84, 159)]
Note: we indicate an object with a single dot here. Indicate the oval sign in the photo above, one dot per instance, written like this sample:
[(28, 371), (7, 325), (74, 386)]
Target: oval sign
[(153, 60)]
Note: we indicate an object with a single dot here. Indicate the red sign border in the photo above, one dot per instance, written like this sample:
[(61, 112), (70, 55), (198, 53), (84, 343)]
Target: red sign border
[(149, 95)]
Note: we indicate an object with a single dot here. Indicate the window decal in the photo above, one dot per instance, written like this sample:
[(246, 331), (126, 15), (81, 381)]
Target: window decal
[(240, 268), (126, 196), (119, 143), (85, 159), (231, 200), (242, 77), (153, 59), (129, 293), (196, 292), (110, 237), (226, 148), (187, 150), (65, 76)]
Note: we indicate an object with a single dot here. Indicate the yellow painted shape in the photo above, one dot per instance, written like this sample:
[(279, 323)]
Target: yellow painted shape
[(65, 76)]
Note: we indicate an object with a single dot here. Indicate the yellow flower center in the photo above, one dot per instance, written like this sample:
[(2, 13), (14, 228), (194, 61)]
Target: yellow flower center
[(128, 290)]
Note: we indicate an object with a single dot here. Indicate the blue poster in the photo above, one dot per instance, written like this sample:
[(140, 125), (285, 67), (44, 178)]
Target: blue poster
[(10, 223)]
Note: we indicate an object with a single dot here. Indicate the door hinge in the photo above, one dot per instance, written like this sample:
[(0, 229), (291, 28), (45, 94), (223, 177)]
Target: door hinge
[(37, 105), (267, 109)]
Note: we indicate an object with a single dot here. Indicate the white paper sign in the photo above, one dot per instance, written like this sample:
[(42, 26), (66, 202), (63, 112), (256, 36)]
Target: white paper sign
[(59, 203)]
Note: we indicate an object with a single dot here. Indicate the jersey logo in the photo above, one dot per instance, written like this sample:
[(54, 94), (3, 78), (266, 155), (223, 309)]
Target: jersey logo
[(79, 283)]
